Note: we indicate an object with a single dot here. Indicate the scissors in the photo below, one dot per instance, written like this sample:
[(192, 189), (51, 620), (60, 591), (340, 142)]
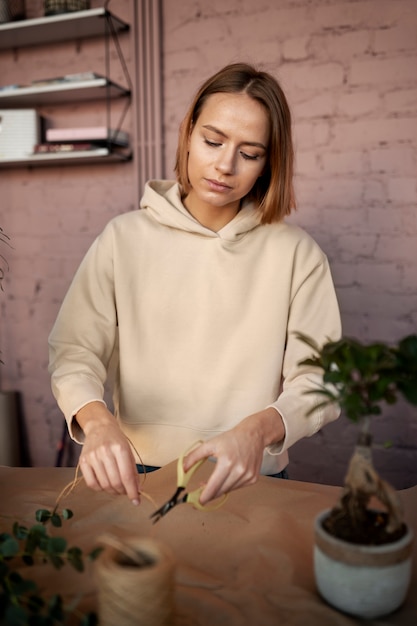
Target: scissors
[(192, 497)]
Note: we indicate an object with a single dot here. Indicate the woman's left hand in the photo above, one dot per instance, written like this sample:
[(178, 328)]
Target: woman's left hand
[(239, 453)]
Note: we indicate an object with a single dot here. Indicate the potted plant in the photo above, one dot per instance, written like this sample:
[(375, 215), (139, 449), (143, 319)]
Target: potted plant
[(362, 553)]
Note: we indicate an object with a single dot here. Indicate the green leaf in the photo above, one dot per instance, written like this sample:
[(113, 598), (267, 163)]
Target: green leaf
[(20, 532), (9, 547), (67, 514), (95, 553), (90, 619), (56, 608), (56, 561), (56, 520), (15, 616), (4, 570), (35, 603), (43, 515), (56, 545), (20, 586), (75, 558), (35, 539)]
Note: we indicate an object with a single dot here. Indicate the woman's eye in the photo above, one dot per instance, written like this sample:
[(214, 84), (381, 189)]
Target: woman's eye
[(250, 157), (214, 144)]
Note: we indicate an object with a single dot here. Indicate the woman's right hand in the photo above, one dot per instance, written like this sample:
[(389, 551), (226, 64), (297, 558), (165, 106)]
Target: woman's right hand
[(106, 460)]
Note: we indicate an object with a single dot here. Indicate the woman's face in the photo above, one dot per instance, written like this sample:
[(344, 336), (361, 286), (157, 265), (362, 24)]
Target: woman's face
[(227, 152)]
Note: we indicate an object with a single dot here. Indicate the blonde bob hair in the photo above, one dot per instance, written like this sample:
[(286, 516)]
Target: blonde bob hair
[(273, 192)]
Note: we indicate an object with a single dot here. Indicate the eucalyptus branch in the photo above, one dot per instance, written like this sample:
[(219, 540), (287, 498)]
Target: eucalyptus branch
[(21, 602)]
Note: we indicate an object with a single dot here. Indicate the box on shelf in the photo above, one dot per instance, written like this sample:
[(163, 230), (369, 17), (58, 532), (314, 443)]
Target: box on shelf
[(20, 131), (97, 134)]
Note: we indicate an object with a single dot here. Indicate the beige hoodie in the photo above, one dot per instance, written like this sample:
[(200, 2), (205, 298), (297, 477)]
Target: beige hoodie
[(201, 323)]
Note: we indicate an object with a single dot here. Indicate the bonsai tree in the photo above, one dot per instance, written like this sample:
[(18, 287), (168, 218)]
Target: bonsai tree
[(360, 378)]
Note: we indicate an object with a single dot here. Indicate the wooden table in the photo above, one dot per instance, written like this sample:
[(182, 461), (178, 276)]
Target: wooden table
[(247, 564)]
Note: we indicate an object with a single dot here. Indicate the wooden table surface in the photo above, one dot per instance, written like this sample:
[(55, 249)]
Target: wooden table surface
[(250, 563)]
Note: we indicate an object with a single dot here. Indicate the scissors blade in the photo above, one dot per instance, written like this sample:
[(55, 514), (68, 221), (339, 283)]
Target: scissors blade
[(163, 510)]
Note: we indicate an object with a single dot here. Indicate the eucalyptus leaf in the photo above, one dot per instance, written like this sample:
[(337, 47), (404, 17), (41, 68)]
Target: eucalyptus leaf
[(67, 514), (42, 515), (9, 547), (56, 520)]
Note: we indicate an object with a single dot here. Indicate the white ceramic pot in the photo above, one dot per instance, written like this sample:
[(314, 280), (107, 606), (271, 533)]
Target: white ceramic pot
[(365, 581)]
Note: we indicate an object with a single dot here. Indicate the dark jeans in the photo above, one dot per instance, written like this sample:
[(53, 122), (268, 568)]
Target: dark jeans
[(145, 469)]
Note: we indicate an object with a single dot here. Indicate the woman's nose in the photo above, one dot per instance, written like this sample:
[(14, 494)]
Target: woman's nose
[(226, 162)]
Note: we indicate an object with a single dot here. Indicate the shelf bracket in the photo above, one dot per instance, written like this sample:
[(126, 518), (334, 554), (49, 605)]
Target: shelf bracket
[(111, 35)]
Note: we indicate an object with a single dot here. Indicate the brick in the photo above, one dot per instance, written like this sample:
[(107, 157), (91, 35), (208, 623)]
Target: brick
[(375, 276), (344, 274), (383, 71), (397, 38), (295, 49), (346, 162), (321, 105), (375, 192), (339, 46), (403, 190), (385, 220), (401, 100), (312, 76), (398, 249), (376, 304), (373, 132), (400, 160), (347, 16), (306, 163), (359, 103), (309, 135)]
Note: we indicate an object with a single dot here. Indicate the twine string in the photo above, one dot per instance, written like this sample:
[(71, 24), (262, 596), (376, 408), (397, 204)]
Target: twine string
[(69, 488), (135, 582)]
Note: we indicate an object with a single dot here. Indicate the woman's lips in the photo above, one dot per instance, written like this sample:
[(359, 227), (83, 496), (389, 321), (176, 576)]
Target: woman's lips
[(215, 185)]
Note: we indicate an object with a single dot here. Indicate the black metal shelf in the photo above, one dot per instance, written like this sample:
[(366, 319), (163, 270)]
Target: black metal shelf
[(61, 93), (57, 28), (100, 155)]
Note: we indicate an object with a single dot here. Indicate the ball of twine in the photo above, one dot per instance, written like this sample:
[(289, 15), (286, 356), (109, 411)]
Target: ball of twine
[(135, 583)]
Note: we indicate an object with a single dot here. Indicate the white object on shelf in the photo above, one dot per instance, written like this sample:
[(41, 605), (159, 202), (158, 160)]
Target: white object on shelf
[(19, 132)]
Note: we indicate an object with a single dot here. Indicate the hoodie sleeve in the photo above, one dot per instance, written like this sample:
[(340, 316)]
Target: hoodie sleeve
[(314, 311), (83, 337)]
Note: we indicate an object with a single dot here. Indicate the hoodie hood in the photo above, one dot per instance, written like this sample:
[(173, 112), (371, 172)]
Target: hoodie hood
[(162, 199)]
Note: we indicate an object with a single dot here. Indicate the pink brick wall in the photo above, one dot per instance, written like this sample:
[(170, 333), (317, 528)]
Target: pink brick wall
[(349, 70)]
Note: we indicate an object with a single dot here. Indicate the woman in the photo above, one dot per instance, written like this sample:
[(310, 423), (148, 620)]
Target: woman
[(197, 296)]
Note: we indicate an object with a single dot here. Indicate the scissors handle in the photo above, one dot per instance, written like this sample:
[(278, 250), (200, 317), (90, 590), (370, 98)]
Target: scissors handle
[(194, 498), (184, 477)]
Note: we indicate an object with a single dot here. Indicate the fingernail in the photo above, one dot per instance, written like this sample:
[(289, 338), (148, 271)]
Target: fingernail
[(135, 502)]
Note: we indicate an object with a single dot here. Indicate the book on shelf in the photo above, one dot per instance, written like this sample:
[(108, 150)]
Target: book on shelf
[(97, 134), (55, 80), (42, 148), (68, 78)]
